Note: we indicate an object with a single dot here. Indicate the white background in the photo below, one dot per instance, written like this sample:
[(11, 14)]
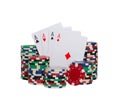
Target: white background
[(99, 20)]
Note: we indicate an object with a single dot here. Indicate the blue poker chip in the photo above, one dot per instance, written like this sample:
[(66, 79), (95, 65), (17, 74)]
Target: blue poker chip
[(60, 86), (30, 71), (25, 61), (90, 58), (49, 72), (22, 69), (92, 43), (24, 56), (63, 70), (40, 72), (53, 77), (49, 86), (83, 63), (34, 84), (89, 49), (52, 70)]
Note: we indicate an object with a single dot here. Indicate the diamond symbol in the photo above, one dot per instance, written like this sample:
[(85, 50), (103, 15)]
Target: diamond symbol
[(67, 56)]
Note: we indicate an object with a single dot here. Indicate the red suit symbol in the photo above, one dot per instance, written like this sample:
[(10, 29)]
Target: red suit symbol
[(44, 37)]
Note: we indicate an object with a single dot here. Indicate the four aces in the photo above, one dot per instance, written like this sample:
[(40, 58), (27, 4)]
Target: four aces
[(61, 44)]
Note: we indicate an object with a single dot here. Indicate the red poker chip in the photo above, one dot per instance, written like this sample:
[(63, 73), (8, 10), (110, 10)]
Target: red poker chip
[(94, 47), (90, 51), (37, 57), (30, 81), (89, 82), (35, 81), (23, 62), (75, 73), (24, 67), (25, 73), (92, 57), (40, 81), (52, 82)]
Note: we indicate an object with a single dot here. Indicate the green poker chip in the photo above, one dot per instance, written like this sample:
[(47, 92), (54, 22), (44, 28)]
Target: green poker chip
[(88, 69), (24, 77), (54, 85), (39, 62), (37, 65), (28, 46)]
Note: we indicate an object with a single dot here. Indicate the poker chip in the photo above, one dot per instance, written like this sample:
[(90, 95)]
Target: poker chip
[(88, 68), (75, 74), (91, 55), (37, 58), (55, 77), (54, 85), (55, 74), (35, 80), (26, 51), (55, 82), (55, 70), (36, 68)]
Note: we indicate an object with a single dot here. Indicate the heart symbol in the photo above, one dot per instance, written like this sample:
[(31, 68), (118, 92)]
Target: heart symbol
[(43, 37), (58, 37)]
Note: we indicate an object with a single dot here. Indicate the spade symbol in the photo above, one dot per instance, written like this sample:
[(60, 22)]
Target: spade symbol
[(52, 36), (36, 39)]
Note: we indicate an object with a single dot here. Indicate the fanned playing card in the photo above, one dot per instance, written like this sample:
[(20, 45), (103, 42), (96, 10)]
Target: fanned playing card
[(62, 45)]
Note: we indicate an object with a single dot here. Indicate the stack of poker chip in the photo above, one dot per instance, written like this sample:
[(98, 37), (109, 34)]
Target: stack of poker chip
[(91, 55), (36, 70), (75, 74), (37, 65), (87, 66), (26, 51), (55, 77)]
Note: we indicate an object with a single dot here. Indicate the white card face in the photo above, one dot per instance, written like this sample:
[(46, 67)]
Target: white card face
[(41, 39), (60, 57), (76, 45), (71, 47), (54, 35)]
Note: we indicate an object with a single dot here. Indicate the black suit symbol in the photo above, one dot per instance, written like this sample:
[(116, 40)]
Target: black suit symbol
[(52, 36), (36, 39)]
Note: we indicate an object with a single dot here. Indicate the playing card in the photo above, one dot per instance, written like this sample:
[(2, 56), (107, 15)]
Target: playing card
[(54, 35), (41, 39), (70, 47)]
